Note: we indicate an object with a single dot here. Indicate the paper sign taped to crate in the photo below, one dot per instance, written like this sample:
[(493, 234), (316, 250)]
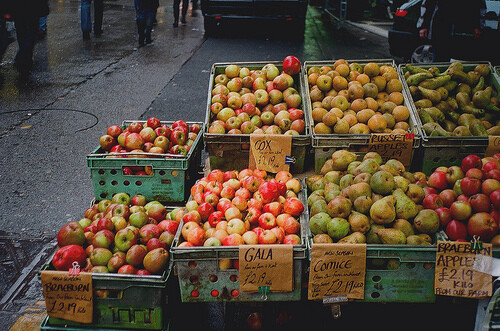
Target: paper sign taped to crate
[(337, 269), (269, 151), (493, 146), (68, 297), (392, 146), (455, 273), (266, 266)]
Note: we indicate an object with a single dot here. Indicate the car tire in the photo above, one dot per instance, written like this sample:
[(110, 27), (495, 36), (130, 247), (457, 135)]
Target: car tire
[(209, 26), (422, 54)]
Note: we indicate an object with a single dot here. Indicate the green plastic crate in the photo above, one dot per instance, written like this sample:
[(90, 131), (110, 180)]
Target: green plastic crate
[(325, 144), (231, 151), (132, 302), (46, 325), (171, 174), (438, 151), (201, 279)]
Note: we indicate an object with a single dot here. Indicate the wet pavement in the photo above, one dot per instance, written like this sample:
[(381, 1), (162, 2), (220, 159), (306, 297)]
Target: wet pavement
[(52, 120)]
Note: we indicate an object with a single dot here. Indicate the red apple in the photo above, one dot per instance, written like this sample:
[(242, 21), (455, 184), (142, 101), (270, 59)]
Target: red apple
[(65, 256), (155, 243), (432, 201), (474, 173), (448, 196), (495, 199), (470, 186), (205, 209), (438, 180), (482, 225), (480, 202), (293, 206), (456, 230), (107, 142), (269, 191), (291, 65), (267, 237), (471, 161), (267, 221), (71, 234), (114, 131), (444, 214), (460, 210)]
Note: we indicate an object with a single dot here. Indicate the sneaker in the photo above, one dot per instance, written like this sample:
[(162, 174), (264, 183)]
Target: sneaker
[(183, 20), (86, 35)]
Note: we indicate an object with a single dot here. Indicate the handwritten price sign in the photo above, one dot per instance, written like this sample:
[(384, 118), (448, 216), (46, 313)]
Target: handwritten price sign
[(493, 146), (68, 297), (266, 265), (455, 274), (337, 269), (392, 146), (269, 152)]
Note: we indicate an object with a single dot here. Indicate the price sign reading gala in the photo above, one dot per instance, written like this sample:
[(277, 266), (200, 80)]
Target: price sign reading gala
[(455, 274), (269, 152), (393, 146), (266, 266), (68, 297)]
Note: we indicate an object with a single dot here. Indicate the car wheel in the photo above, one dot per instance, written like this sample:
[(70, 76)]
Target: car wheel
[(210, 26), (422, 54)]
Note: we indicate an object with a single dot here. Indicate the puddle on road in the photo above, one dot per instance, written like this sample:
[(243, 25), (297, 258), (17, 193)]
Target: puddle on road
[(20, 261)]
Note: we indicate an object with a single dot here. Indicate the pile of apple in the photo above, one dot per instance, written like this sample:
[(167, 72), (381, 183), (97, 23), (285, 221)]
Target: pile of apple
[(150, 137), (357, 99), (246, 207), (257, 101), (125, 235), (369, 201), (467, 198)]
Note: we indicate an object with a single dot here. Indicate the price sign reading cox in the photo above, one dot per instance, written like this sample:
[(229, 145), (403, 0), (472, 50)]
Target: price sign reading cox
[(270, 152)]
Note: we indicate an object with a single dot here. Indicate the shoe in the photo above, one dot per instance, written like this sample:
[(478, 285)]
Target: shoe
[(98, 33), (176, 24), (86, 35), (183, 20)]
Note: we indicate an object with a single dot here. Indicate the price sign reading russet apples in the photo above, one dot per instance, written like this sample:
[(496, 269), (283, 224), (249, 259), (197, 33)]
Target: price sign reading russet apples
[(68, 297), (392, 146), (268, 152)]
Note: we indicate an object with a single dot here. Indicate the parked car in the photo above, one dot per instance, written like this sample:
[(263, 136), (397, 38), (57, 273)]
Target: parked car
[(290, 12), (405, 45)]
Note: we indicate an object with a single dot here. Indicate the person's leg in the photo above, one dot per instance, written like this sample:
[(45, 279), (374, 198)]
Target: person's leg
[(185, 5), (176, 12), (85, 18), (98, 13), (140, 21), (4, 40), (149, 26), (26, 33)]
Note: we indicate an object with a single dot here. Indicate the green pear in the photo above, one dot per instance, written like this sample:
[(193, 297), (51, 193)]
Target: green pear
[(339, 207), (362, 204), (415, 193), (360, 189), (396, 165), (359, 222), (367, 166), (352, 166), (383, 211), (427, 221), (353, 238), (401, 182), (371, 236), (405, 207), (315, 196), (391, 236), (318, 223), (363, 177), (331, 191), (346, 180), (382, 182), (318, 206), (311, 179), (416, 240), (373, 155), (405, 226), (327, 167), (341, 159), (333, 176), (338, 228)]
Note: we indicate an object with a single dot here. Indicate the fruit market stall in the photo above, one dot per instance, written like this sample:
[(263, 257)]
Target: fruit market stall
[(367, 214)]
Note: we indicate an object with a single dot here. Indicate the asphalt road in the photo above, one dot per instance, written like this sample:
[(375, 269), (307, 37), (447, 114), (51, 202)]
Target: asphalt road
[(50, 122)]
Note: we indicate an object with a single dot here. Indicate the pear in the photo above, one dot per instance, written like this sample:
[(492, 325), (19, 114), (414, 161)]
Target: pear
[(331, 191), (427, 221), (371, 236), (333, 176), (318, 185), (311, 179), (352, 166), (337, 228), (405, 226), (327, 167), (362, 204), (359, 222), (401, 182), (346, 180), (425, 237), (389, 169), (391, 236), (364, 177), (359, 189), (341, 159), (367, 166), (373, 155), (383, 211), (322, 238), (320, 206), (353, 238), (410, 176), (405, 207), (318, 223), (416, 240), (315, 196), (416, 193), (397, 165), (339, 207), (382, 182)]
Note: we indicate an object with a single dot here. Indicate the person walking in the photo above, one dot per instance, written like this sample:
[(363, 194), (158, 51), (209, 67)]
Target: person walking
[(145, 14), (26, 15), (42, 28), (185, 5), (443, 20), (86, 21)]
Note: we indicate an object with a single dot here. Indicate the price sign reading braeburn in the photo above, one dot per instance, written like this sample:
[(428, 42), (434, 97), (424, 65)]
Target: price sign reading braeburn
[(68, 297), (266, 266), (455, 274), (493, 146), (392, 146), (268, 152), (337, 269)]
